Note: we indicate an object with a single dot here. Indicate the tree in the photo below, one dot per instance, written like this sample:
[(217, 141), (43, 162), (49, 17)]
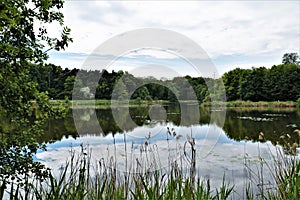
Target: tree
[(285, 82), (22, 47), (120, 92), (252, 85), (290, 58), (68, 86), (232, 81), (142, 93)]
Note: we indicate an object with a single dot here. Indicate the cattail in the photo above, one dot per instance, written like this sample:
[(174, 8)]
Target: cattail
[(174, 133), (297, 131), (146, 143), (295, 145), (178, 137), (169, 132), (261, 136), (261, 133), (188, 137)]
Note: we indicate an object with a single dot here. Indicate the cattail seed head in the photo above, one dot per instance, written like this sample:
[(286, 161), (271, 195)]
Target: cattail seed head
[(261, 136), (178, 137), (297, 131), (295, 145)]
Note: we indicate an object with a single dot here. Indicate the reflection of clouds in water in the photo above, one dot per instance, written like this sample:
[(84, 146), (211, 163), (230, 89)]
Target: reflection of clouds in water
[(157, 112), (257, 119), (86, 115), (227, 156)]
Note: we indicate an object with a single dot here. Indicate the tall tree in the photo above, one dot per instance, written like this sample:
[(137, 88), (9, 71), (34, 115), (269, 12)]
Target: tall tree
[(290, 58), (23, 46), (232, 80)]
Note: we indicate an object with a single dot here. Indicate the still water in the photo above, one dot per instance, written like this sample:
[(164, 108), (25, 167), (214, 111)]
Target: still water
[(226, 141)]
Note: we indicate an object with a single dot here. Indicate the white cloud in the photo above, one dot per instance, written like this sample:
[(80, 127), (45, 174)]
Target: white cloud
[(258, 29)]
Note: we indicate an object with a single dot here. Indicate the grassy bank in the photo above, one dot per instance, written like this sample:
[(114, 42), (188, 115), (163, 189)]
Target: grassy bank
[(250, 104), (104, 103)]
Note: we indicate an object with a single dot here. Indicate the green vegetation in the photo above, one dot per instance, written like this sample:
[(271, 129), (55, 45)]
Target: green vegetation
[(22, 48), (279, 83), (80, 179), (290, 58), (284, 169), (251, 104), (27, 85)]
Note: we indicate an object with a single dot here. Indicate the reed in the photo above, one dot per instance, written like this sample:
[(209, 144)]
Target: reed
[(83, 179), (284, 171)]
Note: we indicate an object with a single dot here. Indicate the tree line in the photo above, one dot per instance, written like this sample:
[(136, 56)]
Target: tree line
[(59, 84), (278, 83)]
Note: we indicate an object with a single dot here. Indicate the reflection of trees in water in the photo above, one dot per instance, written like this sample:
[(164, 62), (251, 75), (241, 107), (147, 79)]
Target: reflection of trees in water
[(273, 123), (189, 114), (238, 123), (56, 129)]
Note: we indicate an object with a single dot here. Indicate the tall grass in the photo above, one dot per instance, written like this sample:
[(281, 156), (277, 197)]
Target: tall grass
[(83, 179), (250, 104), (283, 181)]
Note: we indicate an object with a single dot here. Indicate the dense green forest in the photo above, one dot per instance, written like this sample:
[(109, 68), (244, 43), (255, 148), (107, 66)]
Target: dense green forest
[(278, 83)]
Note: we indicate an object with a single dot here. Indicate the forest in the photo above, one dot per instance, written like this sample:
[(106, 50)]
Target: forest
[(278, 83), (27, 83)]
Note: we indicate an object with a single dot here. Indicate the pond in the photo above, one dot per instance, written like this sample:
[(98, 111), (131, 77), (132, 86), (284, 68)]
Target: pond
[(227, 142)]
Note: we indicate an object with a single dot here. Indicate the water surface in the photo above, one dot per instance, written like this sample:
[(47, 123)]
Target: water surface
[(159, 134)]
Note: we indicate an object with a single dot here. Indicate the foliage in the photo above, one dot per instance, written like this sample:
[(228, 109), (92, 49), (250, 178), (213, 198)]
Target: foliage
[(290, 58), (22, 48), (279, 83)]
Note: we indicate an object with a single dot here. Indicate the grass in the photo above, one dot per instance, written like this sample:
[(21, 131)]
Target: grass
[(250, 104), (82, 179), (103, 103), (283, 168)]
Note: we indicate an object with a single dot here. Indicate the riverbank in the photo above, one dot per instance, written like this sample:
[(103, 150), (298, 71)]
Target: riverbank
[(98, 103), (250, 104)]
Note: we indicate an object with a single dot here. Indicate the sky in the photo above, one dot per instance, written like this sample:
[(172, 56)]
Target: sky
[(230, 34)]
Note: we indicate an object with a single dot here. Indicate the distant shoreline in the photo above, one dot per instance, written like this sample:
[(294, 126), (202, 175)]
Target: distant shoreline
[(251, 104), (230, 104)]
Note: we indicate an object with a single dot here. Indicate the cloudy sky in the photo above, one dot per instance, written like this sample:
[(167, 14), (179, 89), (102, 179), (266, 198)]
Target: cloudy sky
[(231, 33)]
